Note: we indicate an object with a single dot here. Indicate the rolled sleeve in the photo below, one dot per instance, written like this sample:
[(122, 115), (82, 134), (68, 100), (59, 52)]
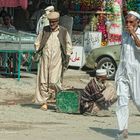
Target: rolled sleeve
[(138, 35), (38, 41)]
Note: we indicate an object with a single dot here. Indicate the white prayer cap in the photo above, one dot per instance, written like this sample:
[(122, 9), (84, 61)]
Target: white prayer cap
[(49, 8), (53, 15), (101, 72), (134, 14)]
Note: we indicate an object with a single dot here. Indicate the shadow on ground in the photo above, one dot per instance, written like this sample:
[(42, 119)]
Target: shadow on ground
[(111, 132), (37, 106), (133, 134), (108, 132), (89, 71), (19, 100), (11, 75)]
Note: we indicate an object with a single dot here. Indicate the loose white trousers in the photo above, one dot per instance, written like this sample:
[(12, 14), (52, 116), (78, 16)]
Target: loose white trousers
[(122, 106)]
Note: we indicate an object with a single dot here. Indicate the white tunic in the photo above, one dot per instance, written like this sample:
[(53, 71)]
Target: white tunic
[(128, 78)]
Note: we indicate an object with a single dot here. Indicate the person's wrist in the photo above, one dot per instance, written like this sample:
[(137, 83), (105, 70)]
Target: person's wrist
[(134, 34)]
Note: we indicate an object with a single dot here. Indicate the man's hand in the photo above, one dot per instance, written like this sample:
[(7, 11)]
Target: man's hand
[(66, 62), (130, 29)]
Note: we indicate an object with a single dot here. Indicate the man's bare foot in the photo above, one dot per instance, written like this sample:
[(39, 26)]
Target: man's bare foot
[(122, 135), (125, 133)]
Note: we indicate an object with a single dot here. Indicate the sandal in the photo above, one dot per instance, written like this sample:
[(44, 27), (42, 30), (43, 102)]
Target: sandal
[(44, 107)]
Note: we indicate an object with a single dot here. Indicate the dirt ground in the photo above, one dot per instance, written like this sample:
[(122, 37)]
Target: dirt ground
[(22, 120)]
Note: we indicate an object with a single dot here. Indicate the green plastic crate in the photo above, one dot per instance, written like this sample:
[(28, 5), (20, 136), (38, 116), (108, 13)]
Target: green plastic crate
[(68, 101)]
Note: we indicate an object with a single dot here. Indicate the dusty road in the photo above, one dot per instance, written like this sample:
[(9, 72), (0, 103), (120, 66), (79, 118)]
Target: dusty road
[(22, 120)]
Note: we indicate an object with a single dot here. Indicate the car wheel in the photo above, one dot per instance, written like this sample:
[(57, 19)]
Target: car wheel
[(109, 65)]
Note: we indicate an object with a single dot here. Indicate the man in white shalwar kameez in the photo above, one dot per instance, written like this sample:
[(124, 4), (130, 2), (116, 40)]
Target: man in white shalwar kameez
[(57, 49), (128, 73)]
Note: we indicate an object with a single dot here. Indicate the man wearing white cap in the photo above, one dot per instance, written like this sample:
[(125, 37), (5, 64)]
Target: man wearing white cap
[(43, 21), (56, 50), (98, 95), (128, 73)]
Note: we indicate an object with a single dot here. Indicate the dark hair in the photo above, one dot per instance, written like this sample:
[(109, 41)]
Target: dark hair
[(3, 13), (42, 5), (6, 15)]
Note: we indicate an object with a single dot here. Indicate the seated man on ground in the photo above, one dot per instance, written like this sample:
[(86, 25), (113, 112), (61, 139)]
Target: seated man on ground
[(98, 95)]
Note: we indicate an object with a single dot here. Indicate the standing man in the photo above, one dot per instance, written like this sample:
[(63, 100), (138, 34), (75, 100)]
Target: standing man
[(57, 48), (38, 13), (128, 73), (43, 20)]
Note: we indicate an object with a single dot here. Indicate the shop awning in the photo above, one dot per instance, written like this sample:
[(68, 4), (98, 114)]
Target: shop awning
[(14, 3)]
